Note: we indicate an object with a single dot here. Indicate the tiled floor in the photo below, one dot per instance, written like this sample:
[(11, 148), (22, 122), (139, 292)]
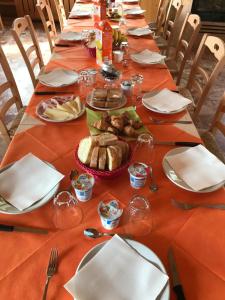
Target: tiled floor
[(26, 89)]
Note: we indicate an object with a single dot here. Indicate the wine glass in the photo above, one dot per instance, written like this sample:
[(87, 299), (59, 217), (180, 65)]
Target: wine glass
[(66, 212)]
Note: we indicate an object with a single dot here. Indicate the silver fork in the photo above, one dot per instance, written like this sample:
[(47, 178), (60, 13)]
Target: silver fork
[(188, 206), (158, 122), (51, 270)]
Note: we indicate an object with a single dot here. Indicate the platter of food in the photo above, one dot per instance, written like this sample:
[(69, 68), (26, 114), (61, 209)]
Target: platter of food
[(103, 156), (60, 109), (124, 122), (106, 99)]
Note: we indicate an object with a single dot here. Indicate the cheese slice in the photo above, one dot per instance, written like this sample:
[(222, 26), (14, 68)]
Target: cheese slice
[(57, 114)]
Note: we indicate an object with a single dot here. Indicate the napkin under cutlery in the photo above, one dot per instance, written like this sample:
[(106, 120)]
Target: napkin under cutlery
[(27, 181), (117, 271), (166, 101), (198, 167)]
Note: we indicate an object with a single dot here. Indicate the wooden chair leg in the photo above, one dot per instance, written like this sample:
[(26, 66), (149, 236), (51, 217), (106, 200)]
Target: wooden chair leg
[(4, 133), (1, 24)]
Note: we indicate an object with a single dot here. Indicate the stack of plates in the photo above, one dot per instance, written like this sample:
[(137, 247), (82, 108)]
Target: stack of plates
[(58, 78), (147, 57)]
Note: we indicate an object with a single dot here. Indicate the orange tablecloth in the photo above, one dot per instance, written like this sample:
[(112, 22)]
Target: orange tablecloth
[(196, 236)]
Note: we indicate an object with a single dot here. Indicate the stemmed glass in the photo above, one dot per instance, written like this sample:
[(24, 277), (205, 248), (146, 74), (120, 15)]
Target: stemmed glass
[(66, 212)]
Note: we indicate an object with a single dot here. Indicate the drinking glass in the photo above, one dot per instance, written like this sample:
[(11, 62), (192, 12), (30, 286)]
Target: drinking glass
[(137, 81), (66, 212), (138, 216), (144, 150)]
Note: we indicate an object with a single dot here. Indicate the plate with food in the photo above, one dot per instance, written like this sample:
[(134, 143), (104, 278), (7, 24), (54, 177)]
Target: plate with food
[(103, 155), (106, 99), (60, 109), (124, 122)]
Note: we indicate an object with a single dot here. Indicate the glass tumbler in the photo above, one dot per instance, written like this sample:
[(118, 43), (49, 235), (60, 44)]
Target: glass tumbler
[(144, 150), (137, 81), (66, 212)]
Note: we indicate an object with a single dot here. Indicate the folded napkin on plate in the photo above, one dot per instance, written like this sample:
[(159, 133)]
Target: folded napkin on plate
[(80, 13), (139, 31), (116, 272), (58, 77), (198, 167), (148, 57), (70, 36), (134, 11), (166, 101), (27, 181)]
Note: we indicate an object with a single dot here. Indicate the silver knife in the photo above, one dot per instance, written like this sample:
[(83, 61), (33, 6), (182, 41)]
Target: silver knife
[(11, 228), (177, 287), (171, 143)]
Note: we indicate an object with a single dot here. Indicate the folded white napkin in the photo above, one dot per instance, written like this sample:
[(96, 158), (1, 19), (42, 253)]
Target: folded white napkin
[(166, 101), (70, 36), (117, 272), (27, 181), (134, 11), (139, 31), (148, 57), (198, 167), (80, 13), (58, 77)]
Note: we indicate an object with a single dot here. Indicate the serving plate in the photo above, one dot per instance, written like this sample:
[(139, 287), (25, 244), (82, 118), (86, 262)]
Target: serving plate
[(7, 208), (51, 102), (142, 250), (121, 103), (170, 173), (146, 105), (69, 76)]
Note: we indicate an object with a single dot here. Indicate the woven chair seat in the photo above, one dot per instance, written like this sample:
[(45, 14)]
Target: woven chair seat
[(211, 144)]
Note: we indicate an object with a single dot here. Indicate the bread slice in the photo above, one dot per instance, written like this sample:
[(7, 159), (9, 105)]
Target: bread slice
[(99, 94), (112, 158), (106, 139), (94, 157), (114, 94), (85, 149), (98, 103), (119, 154), (102, 158), (125, 149)]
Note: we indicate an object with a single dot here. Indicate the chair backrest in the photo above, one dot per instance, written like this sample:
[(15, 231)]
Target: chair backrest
[(9, 95), (171, 22), (45, 13), (201, 78), (218, 120), (61, 13), (188, 35), (32, 55), (161, 14)]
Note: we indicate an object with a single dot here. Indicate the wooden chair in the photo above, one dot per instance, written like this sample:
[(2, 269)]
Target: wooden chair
[(160, 16), (9, 97), (164, 41), (201, 77), (45, 13), (1, 24), (218, 124), (61, 13), (188, 35), (32, 55)]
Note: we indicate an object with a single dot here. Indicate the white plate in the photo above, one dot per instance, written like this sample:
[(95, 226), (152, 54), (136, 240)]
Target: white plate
[(142, 250), (71, 36), (149, 94), (80, 13), (7, 208), (134, 11), (147, 57), (120, 104), (67, 76), (170, 173), (60, 99)]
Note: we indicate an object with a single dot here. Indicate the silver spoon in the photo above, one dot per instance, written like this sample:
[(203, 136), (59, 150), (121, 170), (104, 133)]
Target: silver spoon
[(94, 233)]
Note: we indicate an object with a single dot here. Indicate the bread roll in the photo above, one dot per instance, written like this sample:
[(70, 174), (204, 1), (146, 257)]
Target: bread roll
[(85, 149), (102, 157), (112, 158), (94, 157)]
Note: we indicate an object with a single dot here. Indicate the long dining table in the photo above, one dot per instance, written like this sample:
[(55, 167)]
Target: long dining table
[(196, 236)]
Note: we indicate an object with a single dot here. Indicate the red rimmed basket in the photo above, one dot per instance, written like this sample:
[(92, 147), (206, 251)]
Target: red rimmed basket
[(103, 174)]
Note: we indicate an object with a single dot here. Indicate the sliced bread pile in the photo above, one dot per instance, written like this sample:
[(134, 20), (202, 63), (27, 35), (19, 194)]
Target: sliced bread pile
[(103, 152)]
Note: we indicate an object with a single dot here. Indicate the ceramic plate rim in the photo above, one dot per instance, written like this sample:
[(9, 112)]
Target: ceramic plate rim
[(167, 168), (38, 203), (122, 104), (64, 84), (57, 121), (135, 244), (158, 111)]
